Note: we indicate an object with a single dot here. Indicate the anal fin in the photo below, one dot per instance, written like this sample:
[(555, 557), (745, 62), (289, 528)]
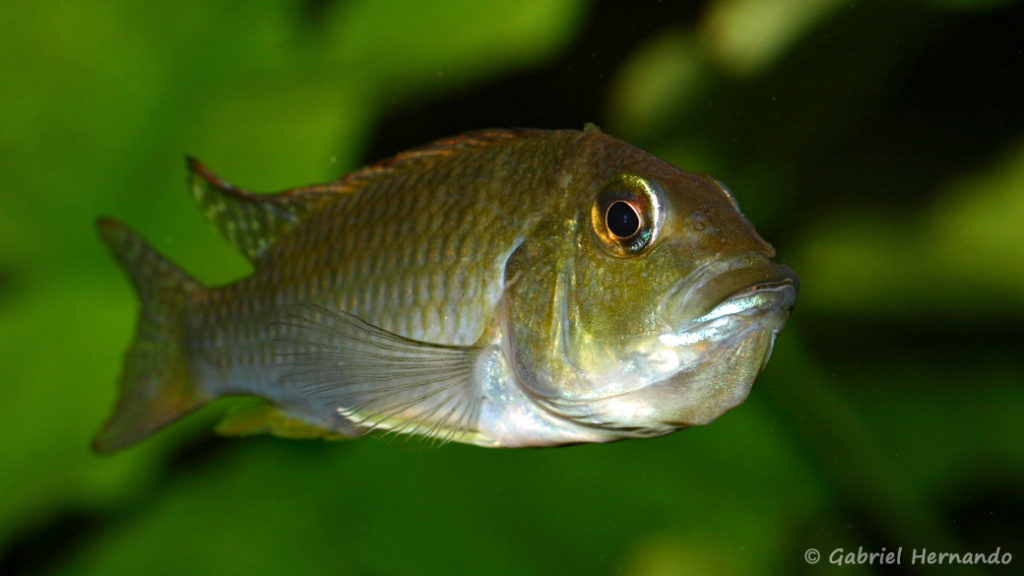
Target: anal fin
[(265, 418)]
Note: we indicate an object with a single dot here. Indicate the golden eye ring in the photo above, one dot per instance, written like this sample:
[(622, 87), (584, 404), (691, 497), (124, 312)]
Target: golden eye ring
[(627, 215)]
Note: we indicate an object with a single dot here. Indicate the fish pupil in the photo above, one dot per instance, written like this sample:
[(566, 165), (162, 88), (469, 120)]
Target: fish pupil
[(622, 219)]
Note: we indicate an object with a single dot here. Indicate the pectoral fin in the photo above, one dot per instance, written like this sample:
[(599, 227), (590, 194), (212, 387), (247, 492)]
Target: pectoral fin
[(378, 380)]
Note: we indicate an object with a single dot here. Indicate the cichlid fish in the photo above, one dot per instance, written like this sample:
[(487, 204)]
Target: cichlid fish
[(500, 288)]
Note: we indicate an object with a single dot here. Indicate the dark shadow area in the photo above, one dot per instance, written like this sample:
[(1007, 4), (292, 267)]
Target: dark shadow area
[(38, 550), (567, 94)]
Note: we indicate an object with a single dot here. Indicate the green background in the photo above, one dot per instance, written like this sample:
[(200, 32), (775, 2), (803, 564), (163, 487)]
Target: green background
[(878, 145)]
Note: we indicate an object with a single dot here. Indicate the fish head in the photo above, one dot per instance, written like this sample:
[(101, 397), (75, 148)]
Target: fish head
[(667, 306)]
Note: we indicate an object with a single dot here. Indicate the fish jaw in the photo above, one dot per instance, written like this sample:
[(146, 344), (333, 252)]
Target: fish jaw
[(718, 327), (693, 375), (721, 353)]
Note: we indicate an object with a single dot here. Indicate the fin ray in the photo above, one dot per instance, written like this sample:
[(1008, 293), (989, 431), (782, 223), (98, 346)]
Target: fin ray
[(379, 380), (253, 222), (264, 417), (155, 387)]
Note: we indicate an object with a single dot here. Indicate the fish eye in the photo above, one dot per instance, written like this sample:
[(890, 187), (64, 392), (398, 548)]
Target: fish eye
[(622, 220), (626, 215)]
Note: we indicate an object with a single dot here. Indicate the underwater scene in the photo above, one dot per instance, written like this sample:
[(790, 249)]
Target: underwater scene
[(877, 148)]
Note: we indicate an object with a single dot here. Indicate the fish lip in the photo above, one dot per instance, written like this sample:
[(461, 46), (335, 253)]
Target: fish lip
[(774, 295), (724, 277), (760, 299)]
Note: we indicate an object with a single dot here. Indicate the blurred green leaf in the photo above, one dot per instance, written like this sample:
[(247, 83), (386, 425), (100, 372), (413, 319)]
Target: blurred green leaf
[(963, 256), (668, 74), (745, 36)]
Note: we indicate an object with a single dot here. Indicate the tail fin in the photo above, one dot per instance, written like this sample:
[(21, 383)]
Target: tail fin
[(155, 387)]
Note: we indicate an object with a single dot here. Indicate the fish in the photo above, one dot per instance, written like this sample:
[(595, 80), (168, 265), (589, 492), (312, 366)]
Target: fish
[(503, 288)]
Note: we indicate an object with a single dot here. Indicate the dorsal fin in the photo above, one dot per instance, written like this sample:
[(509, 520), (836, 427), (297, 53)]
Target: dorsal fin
[(254, 222), (439, 148)]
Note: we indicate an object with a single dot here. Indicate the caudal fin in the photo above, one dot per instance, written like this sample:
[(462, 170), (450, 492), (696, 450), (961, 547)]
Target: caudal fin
[(155, 387)]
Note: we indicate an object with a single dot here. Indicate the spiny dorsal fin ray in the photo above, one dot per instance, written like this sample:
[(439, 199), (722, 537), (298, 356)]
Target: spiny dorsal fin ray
[(378, 380), (253, 222), (435, 150)]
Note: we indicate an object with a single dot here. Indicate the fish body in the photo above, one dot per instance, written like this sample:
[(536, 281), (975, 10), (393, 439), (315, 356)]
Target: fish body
[(502, 288)]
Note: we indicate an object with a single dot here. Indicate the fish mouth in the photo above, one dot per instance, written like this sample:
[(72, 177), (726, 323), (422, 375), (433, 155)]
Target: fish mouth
[(717, 282), (719, 354), (757, 299), (739, 310), (752, 285)]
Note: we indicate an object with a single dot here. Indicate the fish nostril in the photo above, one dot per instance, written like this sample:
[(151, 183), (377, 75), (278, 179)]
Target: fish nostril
[(700, 222)]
